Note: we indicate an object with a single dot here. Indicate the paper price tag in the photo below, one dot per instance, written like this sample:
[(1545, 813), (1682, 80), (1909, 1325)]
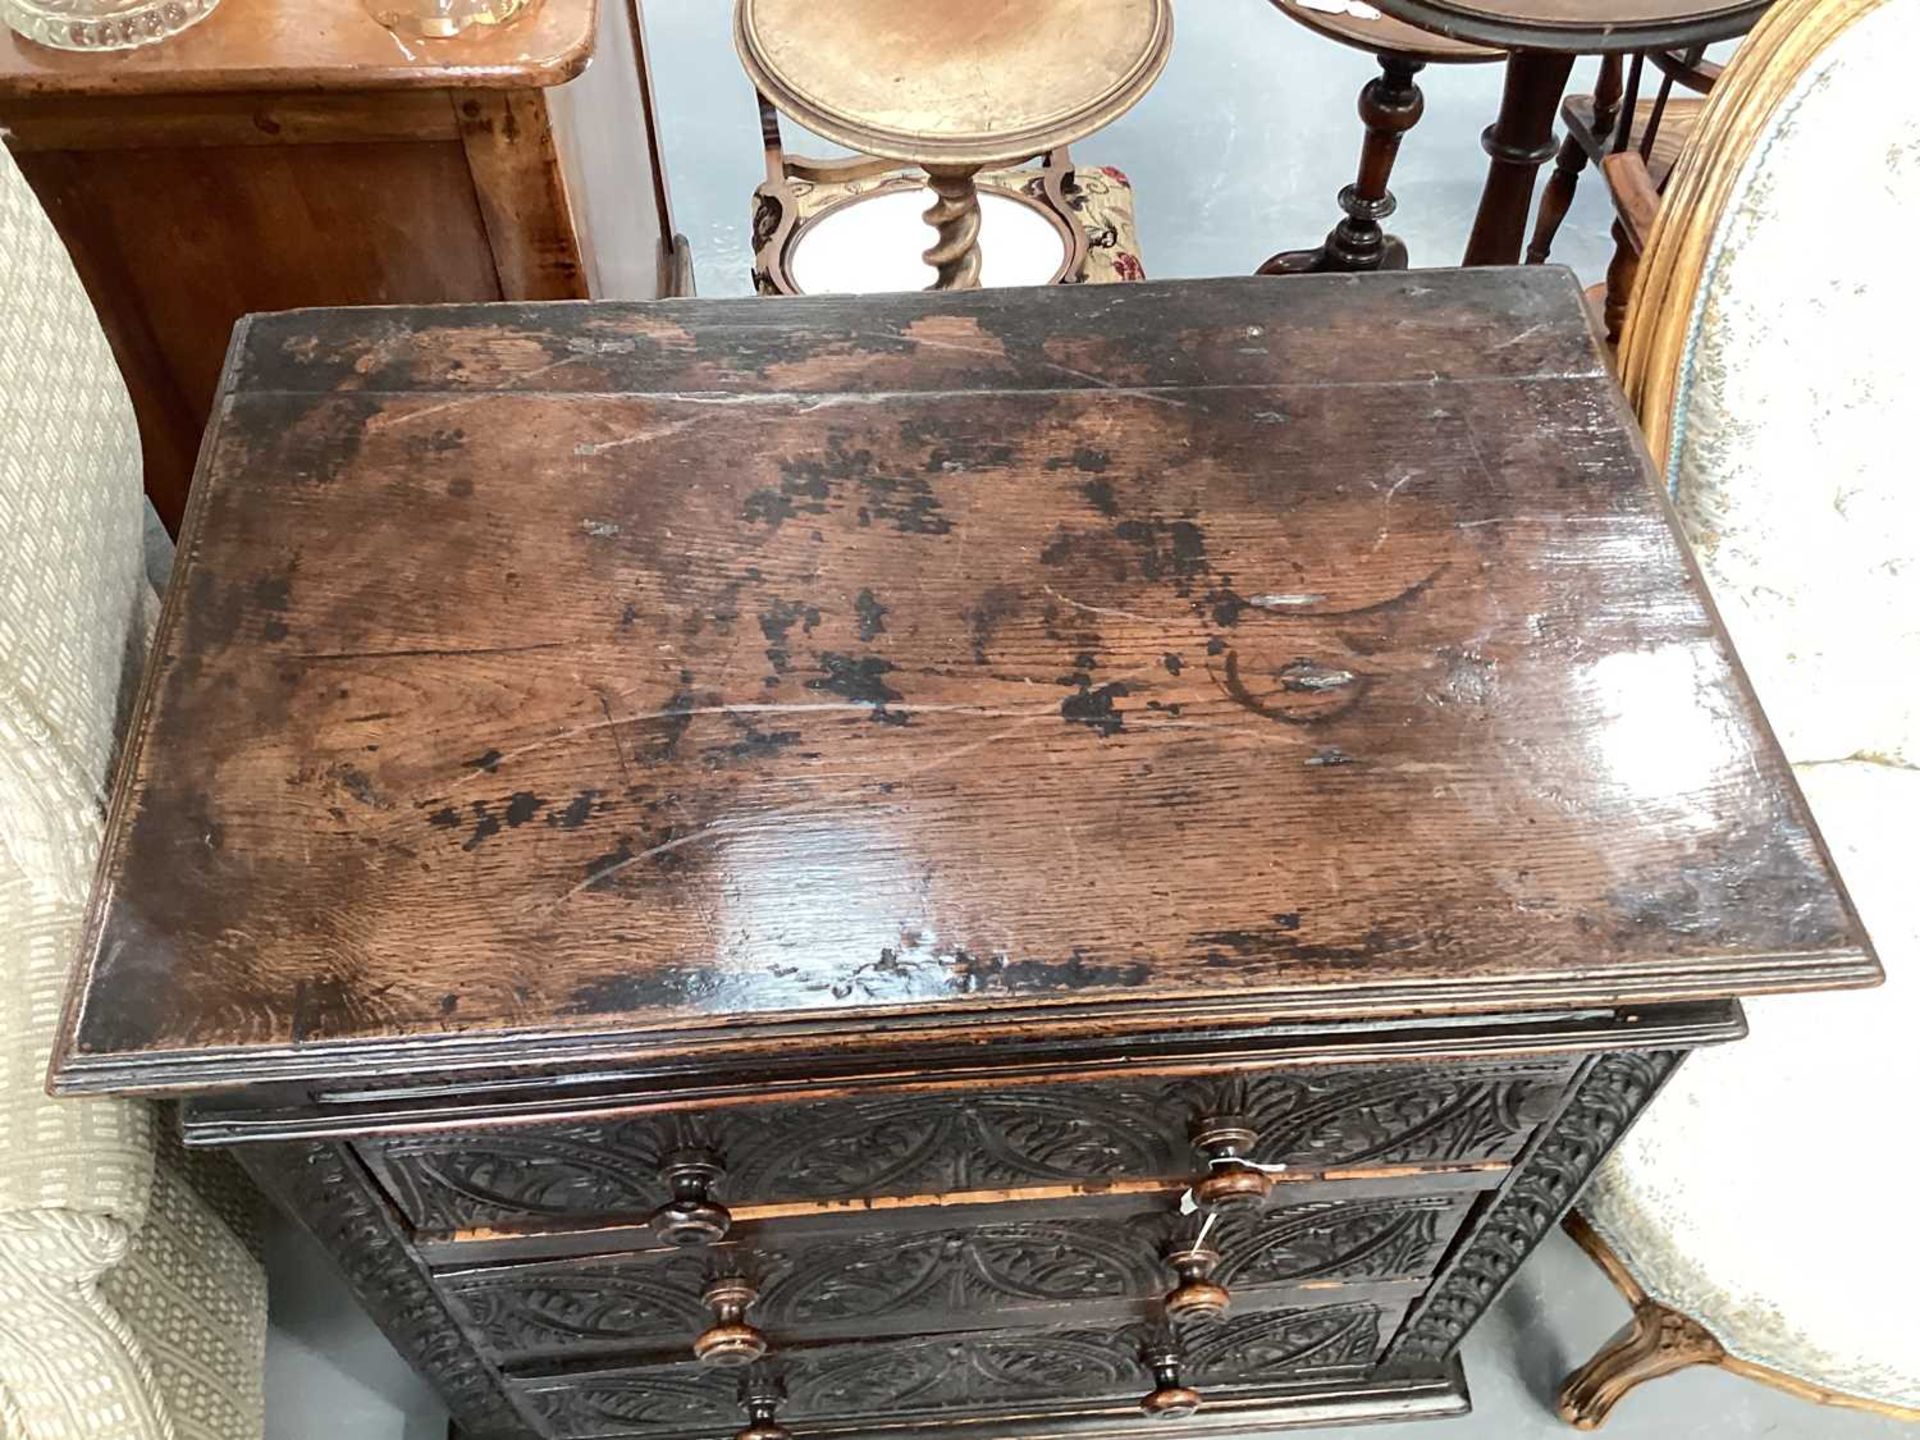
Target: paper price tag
[(1191, 1206)]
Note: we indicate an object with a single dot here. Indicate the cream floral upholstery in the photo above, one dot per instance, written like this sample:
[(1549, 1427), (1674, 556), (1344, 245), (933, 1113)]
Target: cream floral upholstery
[(128, 1306), (1769, 1192)]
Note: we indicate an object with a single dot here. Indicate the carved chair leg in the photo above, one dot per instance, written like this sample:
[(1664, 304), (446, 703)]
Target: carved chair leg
[(1656, 1342), (1390, 105), (1621, 271), (1556, 198)]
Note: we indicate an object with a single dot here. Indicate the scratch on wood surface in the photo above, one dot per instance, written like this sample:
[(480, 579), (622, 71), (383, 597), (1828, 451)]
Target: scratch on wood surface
[(387, 419), (1103, 609), (431, 653), (841, 707), (1049, 364), (655, 432), (1285, 602), (1526, 334)]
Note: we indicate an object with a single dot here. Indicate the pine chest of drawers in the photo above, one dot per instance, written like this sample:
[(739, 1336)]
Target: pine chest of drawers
[(1061, 862)]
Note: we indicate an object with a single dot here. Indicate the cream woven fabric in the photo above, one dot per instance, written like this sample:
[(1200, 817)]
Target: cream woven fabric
[(128, 1310), (1768, 1192)]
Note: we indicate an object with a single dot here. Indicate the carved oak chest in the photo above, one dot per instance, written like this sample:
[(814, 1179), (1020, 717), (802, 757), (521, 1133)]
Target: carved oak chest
[(1043, 863)]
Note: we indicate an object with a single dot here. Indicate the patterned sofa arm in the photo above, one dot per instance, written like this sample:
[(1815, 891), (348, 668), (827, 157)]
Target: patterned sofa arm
[(129, 1310)]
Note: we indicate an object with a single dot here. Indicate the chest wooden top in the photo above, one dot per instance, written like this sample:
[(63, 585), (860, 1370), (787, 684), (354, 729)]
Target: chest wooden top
[(717, 677), (313, 46)]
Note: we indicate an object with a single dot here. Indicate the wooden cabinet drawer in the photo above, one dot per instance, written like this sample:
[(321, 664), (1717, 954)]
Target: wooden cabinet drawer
[(833, 1283), (609, 1168), (968, 1377)]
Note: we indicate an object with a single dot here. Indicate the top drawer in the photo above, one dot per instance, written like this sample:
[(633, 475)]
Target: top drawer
[(610, 1168)]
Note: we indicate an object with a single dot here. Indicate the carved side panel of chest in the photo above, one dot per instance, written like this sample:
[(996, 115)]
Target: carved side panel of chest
[(956, 1141)]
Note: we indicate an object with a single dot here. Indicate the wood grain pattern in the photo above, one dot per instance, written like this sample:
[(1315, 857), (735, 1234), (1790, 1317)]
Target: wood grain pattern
[(178, 237), (677, 673), (314, 45), (522, 195)]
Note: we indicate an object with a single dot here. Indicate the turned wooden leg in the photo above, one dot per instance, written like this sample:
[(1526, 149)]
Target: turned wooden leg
[(1656, 1342), (1572, 159), (1390, 105), (955, 217), (1555, 199), (1518, 143), (1621, 271)]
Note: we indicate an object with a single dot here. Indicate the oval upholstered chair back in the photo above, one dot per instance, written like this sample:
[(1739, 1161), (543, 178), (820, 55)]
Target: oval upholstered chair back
[(1770, 352)]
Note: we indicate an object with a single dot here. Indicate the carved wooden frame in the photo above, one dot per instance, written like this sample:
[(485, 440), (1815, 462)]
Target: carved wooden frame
[(1612, 1090), (325, 1187), (778, 227)]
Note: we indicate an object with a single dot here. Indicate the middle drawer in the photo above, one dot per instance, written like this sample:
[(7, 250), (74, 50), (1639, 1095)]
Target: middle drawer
[(930, 1273)]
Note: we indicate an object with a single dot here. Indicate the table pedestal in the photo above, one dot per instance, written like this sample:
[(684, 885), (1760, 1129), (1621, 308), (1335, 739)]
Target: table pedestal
[(955, 217), (1390, 105), (1520, 141)]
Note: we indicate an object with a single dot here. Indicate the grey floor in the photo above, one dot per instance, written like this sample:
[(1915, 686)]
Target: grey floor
[(1237, 152)]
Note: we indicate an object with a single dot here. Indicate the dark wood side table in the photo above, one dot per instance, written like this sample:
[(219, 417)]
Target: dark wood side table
[(287, 153), (935, 844), (1390, 106), (1545, 37)]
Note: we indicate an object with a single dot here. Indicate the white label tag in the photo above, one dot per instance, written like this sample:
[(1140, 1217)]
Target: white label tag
[(1191, 1206)]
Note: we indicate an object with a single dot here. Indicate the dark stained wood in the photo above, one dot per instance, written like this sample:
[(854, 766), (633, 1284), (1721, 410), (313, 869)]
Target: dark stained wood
[(1580, 27), (705, 677), (970, 814), (1657, 129), (1518, 143), (1390, 105), (1545, 36)]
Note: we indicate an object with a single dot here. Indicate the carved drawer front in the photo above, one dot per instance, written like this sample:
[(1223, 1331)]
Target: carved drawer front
[(829, 1284), (969, 1377), (613, 1168)]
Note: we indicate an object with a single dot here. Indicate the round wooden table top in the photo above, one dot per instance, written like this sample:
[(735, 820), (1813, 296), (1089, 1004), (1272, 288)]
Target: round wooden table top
[(956, 82), (1381, 34), (1581, 27)]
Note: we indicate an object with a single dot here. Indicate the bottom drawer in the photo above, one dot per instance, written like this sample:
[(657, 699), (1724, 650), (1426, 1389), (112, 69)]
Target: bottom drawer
[(969, 1377)]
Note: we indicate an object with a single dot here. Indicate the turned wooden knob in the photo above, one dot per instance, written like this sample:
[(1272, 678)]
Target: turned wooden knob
[(1231, 1181), (691, 1216), (1169, 1399), (1196, 1297), (760, 1398), (730, 1340)]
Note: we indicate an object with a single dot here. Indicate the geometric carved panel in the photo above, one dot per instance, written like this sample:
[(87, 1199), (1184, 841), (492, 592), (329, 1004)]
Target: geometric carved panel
[(946, 1279), (958, 1376), (945, 1142)]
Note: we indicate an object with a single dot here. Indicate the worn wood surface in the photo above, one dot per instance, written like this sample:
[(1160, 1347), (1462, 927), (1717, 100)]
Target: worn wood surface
[(993, 81), (311, 46), (707, 676)]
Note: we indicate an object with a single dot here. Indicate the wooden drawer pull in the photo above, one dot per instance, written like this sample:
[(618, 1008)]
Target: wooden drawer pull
[(1169, 1399), (1232, 1181), (1197, 1296), (730, 1340), (691, 1215), (760, 1397)]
